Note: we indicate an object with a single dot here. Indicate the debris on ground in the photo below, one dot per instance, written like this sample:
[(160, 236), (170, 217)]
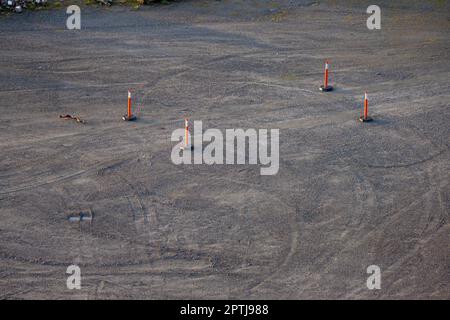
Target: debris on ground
[(105, 2), (18, 5), (83, 215), (70, 117)]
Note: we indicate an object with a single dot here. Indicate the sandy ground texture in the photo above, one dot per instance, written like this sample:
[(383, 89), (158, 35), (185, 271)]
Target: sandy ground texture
[(348, 195)]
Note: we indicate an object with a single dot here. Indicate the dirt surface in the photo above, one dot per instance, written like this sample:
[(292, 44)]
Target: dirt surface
[(347, 195)]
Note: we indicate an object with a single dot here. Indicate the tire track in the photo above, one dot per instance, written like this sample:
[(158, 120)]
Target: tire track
[(48, 181)]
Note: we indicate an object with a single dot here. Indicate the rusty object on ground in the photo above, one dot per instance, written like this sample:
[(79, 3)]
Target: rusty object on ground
[(69, 117)]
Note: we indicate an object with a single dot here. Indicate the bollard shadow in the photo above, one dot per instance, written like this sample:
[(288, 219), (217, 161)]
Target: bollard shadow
[(342, 90), (378, 120), (143, 120)]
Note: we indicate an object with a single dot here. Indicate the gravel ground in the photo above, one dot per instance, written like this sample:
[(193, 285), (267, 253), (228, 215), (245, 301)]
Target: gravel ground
[(347, 195)]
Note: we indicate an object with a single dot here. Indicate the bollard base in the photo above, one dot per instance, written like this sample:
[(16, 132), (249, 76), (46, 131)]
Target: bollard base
[(188, 147), (326, 89), (368, 119), (127, 118)]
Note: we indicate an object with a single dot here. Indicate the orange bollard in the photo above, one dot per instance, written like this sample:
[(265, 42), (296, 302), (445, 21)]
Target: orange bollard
[(325, 86), (365, 116), (129, 104), (187, 145), (186, 132), (366, 106), (129, 116)]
